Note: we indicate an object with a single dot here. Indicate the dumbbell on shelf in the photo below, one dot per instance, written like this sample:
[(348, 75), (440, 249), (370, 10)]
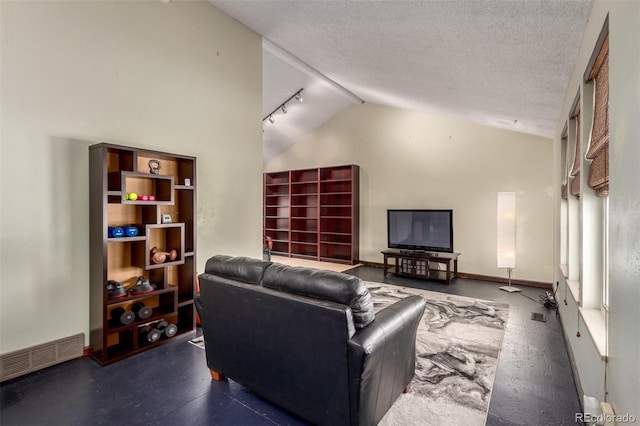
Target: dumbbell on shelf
[(115, 290), (166, 328), (122, 316), (142, 286), (158, 256), (141, 310), (149, 334)]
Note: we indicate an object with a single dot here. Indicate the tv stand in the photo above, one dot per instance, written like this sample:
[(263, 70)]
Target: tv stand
[(415, 263)]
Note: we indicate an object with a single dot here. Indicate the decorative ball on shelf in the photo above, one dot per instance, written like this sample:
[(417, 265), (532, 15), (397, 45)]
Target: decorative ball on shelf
[(131, 196), (145, 198), (154, 167), (152, 198)]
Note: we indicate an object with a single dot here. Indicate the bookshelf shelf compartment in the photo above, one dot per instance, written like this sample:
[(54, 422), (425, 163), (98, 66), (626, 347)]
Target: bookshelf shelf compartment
[(165, 238), (160, 187)]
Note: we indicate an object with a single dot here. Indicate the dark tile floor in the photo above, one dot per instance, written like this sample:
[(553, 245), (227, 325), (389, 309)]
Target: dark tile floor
[(170, 385)]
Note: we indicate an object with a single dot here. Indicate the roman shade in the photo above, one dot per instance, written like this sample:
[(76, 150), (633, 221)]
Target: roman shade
[(564, 143), (598, 151), (575, 169)]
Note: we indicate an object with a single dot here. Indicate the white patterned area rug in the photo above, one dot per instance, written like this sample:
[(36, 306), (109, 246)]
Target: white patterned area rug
[(457, 348)]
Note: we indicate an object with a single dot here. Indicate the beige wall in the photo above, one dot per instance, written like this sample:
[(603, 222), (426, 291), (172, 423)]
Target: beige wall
[(624, 340), (412, 160), (179, 77), (620, 376)]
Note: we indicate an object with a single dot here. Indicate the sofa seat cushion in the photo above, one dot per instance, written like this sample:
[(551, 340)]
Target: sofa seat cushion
[(243, 269), (326, 285)]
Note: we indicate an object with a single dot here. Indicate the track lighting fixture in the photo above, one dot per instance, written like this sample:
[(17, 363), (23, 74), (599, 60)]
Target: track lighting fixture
[(283, 106)]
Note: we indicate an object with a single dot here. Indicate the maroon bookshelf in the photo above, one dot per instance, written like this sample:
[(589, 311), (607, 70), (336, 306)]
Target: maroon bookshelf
[(313, 213), (276, 211)]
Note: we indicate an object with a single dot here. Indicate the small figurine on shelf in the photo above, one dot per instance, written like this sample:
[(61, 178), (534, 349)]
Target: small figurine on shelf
[(154, 167)]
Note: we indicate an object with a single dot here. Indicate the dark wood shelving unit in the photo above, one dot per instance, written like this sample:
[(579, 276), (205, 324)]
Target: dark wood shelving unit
[(304, 214), (276, 210), (339, 213), (313, 213), (115, 172)]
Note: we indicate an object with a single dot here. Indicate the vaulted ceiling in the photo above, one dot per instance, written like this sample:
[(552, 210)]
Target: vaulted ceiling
[(502, 63)]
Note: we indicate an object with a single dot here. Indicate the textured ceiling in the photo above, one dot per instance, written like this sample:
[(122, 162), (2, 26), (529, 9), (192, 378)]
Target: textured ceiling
[(501, 63)]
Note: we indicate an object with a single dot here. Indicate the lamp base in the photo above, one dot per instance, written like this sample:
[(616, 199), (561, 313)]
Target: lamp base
[(510, 289)]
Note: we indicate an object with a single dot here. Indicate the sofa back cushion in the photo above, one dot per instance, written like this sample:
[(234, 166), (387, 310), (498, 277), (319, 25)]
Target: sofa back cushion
[(243, 269), (326, 285)]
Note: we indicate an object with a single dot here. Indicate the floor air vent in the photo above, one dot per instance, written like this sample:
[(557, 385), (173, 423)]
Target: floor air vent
[(35, 358), (538, 317)]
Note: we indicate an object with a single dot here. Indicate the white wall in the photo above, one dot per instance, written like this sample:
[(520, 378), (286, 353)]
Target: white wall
[(179, 77), (624, 317), (412, 160), (623, 369)]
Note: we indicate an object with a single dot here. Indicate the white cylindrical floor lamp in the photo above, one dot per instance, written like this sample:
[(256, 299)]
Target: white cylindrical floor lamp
[(506, 226)]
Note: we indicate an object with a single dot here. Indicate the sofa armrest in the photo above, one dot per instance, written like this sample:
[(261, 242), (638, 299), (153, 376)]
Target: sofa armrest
[(382, 360), (198, 303)]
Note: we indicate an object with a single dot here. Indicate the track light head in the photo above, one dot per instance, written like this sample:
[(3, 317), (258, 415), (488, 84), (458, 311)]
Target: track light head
[(299, 96), (271, 120), (284, 109)]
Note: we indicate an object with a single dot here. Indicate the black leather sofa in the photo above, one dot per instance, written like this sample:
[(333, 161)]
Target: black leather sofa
[(307, 339)]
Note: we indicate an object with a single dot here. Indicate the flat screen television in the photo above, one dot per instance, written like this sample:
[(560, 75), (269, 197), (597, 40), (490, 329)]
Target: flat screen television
[(420, 230)]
